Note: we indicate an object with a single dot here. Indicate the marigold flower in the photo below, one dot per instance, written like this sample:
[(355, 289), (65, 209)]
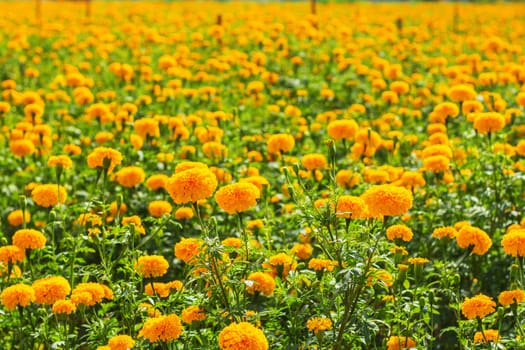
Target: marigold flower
[(418, 261), (191, 185), (510, 297), (60, 161), (22, 148), (478, 306), (157, 181), (437, 164), (488, 122), (488, 335), (280, 143), (473, 236), (159, 208), (302, 251), (103, 156), (192, 313), (184, 213), (29, 239), (256, 180), (121, 342), (50, 289), (49, 195), (321, 264), (351, 207), (147, 127), (162, 328), (280, 265), (152, 266), (237, 197), (130, 176), (400, 342), (63, 307), (387, 200), (347, 178), (11, 254), (318, 324), (513, 243), (442, 232), (17, 295), (399, 231), (243, 335), (460, 93), (89, 293), (314, 161), (188, 248), (16, 217), (342, 129), (260, 282)]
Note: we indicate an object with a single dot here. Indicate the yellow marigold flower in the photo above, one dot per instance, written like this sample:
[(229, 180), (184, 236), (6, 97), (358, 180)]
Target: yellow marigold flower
[(399, 231), (437, 164), (314, 161), (318, 324), (103, 156), (256, 180), (184, 213), (510, 297), (136, 141), (321, 264), (442, 232), (147, 127), (135, 221), (488, 122), (64, 307), (460, 93), (302, 251), (351, 207), (382, 276), (50, 289), (62, 161), (488, 335), (478, 306), (280, 143), (11, 254), (460, 224), (192, 313), (17, 295), (162, 328), (152, 266), (475, 237), (280, 265), (243, 335), (437, 150), (400, 342), (121, 342), (514, 243), (238, 197), (446, 109), (88, 294), (400, 87), (72, 149), (188, 248), (159, 208), (49, 195), (22, 148), (260, 282), (158, 289), (418, 261), (16, 217), (157, 181), (191, 185), (412, 179), (130, 176), (347, 178), (387, 200), (232, 242), (29, 239), (342, 129), (398, 250)]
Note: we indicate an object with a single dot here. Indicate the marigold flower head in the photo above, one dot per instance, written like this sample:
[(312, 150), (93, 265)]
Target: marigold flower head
[(162, 328), (60, 161), (157, 181), (387, 200), (462, 92), (191, 185), (49, 195), (437, 164), (321, 264), (243, 335), (302, 251), (159, 289), (510, 297), (29, 239), (342, 129), (188, 248), (159, 208), (475, 237), (280, 143), (193, 313), (478, 306), (89, 293), (16, 217), (147, 127), (399, 231), (488, 122), (418, 261), (103, 156), (50, 289), (130, 176), (121, 342), (237, 197), (17, 295), (22, 148), (318, 324), (11, 254), (280, 265), (488, 335), (63, 307), (351, 207), (400, 342), (256, 180), (184, 213), (152, 266), (314, 161), (442, 232), (513, 243), (347, 178), (260, 282)]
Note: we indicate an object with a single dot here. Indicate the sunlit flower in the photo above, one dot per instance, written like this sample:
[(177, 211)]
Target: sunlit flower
[(243, 335), (478, 306), (318, 324)]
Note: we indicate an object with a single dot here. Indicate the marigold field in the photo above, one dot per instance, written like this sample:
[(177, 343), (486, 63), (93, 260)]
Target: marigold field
[(243, 176)]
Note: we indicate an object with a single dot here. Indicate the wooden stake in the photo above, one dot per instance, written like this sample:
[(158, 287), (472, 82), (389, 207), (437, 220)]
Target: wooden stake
[(219, 19)]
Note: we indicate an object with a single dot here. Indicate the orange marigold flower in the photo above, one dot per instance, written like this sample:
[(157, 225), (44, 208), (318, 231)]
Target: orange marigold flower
[(514, 243), (191, 185), (192, 313), (11, 254), (256, 180), (437, 164), (16, 217), (442, 232), (102, 157), (400, 342), (22, 148), (488, 335), (237, 197), (29, 239), (260, 282), (60, 161), (342, 129), (152, 266), (130, 176), (399, 231), (462, 92), (184, 213), (49, 195), (280, 143), (351, 207), (242, 335), (233, 242), (302, 251), (159, 289), (157, 181), (159, 208), (188, 248), (321, 264), (136, 221), (314, 161), (121, 342), (347, 178), (318, 324), (50, 289), (418, 261), (162, 328), (280, 265), (475, 237), (478, 306), (89, 293), (147, 127), (17, 295), (73, 149), (189, 165), (387, 200), (510, 297), (64, 307), (488, 122)]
